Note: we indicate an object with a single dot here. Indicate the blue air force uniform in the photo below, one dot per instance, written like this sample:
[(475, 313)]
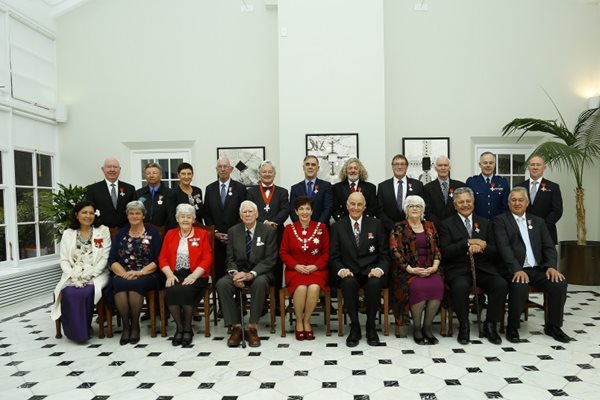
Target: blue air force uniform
[(491, 198)]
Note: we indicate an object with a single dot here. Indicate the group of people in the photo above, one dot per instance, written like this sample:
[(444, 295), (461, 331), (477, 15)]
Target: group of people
[(415, 239)]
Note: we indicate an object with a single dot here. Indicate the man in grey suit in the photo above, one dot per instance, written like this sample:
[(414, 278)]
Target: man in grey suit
[(251, 256), (528, 252)]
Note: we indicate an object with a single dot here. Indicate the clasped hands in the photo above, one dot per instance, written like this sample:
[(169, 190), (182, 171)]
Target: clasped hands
[(305, 269), (477, 246), (422, 272), (223, 237), (374, 273), (239, 279)]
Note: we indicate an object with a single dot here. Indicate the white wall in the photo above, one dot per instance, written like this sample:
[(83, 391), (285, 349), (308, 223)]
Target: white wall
[(148, 71)]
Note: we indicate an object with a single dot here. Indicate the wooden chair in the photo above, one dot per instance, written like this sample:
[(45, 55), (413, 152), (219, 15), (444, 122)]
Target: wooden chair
[(150, 296), (530, 304), (283, 294), (447, 313), (100, 309), (385, 293)]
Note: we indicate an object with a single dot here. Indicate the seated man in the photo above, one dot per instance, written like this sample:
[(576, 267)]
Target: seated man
[(251, 256), (528, 252), (462, 235), (359, 255)]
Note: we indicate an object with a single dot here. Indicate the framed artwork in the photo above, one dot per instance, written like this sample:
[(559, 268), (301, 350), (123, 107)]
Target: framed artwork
[(421, 154), (332, 150), (245, 162)]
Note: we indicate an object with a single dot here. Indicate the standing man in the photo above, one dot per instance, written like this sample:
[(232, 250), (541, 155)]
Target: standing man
[(440, 193), (491, 191), (154, 196), (251, 256), (359, 257), (545, 200), (529, 254), (111, 195), (392, 192), (463, 235), (317, 189), (273, 207), (353, 178), (221, 207)]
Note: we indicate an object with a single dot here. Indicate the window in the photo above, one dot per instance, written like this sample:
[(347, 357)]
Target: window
[(168, 160), (3, 246), (510, 160), (33, 192)]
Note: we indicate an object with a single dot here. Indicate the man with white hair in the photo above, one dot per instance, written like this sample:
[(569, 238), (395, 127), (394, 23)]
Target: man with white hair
[(353, 178), (251, 257), (439, 193)]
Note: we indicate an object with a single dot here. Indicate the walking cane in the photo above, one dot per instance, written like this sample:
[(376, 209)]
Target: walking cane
[(474, 289), (242, 319)]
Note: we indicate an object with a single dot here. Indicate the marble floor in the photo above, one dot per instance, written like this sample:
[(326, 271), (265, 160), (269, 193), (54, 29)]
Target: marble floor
[(35, 365)]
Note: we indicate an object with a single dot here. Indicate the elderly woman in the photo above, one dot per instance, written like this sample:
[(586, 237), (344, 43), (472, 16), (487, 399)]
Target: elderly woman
[(133, 261), (305, 252), (417, 277), (184, 193), (185, 259), (84, 251)]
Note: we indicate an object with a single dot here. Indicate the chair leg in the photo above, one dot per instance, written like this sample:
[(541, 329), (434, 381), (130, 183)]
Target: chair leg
[(152, 310), (327, 314), (101, 318), (386, 312), (108, 312), (58, 329), (163, 315), (443, 321), (340, 312), (215, 304), (206, 314), (282, 293), (272, 307)]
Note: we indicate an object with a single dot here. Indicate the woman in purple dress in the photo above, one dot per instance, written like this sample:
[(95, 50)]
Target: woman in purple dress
[(416, 275), (84, 249)]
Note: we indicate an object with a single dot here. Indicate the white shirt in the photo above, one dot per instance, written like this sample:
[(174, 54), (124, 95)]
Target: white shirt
[(530, 260), (226, 183), (109, 185)]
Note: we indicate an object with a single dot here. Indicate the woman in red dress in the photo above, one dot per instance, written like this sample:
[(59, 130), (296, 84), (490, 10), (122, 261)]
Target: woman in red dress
[(305, 252)]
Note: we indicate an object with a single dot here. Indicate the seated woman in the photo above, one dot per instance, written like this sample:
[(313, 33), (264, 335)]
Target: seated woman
[(184, 193), (305, 252), (133, 261), (185, 259), (84, 249), (416, 276)]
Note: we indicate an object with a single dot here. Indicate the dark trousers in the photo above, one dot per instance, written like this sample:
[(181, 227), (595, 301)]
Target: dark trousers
[(494, 286), (259, 287), (372, 288), (519, 293)]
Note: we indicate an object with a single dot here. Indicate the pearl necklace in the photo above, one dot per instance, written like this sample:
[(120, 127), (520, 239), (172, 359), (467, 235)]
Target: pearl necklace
[(306, 240)]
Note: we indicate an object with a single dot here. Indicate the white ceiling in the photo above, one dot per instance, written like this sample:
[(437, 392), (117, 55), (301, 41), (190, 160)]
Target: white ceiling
[(60, 7)]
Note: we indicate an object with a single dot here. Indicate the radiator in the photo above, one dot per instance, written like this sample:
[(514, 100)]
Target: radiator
[(20, 287)]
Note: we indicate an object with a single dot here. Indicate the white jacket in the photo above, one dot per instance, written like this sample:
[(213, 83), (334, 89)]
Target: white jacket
[(100, 251)]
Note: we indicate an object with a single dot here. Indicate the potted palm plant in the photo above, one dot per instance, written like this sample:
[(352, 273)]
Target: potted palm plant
[(571, 151), (58, 210)]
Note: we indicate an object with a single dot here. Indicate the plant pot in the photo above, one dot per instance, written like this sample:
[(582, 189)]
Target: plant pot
[(580, 264)]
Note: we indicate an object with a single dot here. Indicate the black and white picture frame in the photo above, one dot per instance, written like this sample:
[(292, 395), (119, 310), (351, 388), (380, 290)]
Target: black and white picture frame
[(332, 150), (245, 162), (421, 154)]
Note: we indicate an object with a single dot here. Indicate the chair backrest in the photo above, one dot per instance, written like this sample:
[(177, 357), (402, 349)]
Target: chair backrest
[(210, 229)]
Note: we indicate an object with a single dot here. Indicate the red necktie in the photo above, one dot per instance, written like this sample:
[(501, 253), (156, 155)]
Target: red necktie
[(352, 187)]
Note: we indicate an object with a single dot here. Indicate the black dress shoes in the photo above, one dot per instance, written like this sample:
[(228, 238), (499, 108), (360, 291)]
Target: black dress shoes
[(354, 336), (557, 334), (372, 337), (429, 338), (512, 335), (490, 332), (463, 334)]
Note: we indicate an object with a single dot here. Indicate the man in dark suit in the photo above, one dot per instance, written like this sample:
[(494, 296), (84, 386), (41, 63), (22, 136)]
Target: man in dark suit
[(251, 257), (529, 254), (317, 189), (353, 178), (111, 195), (392, 192), (273, 207), (154, 196), (461, 236), (545, 199), (438, 194), (221, 207), (359, 257), (491, 190)]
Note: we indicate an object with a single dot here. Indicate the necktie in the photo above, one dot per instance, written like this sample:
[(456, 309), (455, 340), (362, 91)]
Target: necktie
[(352, 187), (223, 194), (309, 189), (468, 226), (113, 195), (533, 191), (529, 257), (399, 198), (248, 243), (445, 190), (357, 233), (487, 180)]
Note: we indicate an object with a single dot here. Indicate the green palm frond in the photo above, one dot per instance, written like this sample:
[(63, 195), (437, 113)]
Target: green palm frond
[(538, 125), (562, 157), (586, 130)]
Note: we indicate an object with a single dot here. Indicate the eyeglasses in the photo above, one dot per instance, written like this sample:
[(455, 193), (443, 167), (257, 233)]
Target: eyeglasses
[(414, 206)]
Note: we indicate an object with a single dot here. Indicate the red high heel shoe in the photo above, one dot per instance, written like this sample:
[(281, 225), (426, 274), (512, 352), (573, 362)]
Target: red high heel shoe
[(300, 335), (309, 335)]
